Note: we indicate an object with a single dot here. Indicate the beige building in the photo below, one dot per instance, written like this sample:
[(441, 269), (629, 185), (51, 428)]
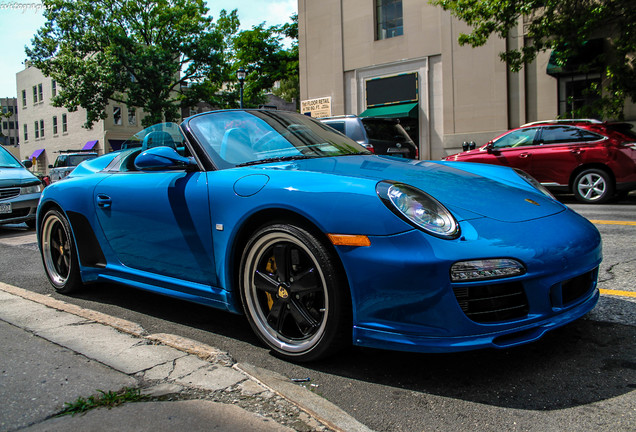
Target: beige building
[(45, 129), (9, 137), (400, 58)]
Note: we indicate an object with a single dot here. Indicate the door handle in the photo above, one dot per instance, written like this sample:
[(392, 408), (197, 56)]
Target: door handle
[(577, 151), (523, 155), (104, 201)]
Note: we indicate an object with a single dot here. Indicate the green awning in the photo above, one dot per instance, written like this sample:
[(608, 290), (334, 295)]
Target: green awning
[(586, 60), (392, 111)]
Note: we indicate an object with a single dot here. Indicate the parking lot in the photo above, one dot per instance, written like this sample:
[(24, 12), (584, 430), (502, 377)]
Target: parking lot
[(580, 377)]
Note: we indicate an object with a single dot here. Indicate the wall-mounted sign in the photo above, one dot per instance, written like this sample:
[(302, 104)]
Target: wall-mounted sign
[(395, 89), (316, 108)]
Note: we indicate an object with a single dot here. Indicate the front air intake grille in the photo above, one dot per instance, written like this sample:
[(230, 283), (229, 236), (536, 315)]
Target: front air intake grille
[(577, 287), (6, 193), (490, 303), (16, 213)]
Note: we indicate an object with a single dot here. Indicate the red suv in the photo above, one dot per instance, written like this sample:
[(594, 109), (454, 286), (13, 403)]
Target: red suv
[(591, 159)]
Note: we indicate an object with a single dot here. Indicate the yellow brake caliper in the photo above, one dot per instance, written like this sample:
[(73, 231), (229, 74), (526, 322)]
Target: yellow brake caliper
[(271, 268)]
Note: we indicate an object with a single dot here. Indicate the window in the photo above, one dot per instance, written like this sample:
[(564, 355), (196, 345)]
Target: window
[(10, 110), (35, 94), (54, 125), (24, 99), (576, 93), (5, 125), (388, 18), (337, 125), (53, 88), (117, 115), (40, 93), (41, 128), (37, 129), (132, 117), (567, 134), (518, 138), (64, 126), (12, 124), (26, 132)]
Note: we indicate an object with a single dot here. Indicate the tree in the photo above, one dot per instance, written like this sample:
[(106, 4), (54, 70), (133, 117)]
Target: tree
[(290, 85), (135, 52), (564, 26), (260, 52)]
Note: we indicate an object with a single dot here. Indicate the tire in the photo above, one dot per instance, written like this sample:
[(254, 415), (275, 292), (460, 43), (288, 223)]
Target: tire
[(300, 309), (593, 186), (58, 253)]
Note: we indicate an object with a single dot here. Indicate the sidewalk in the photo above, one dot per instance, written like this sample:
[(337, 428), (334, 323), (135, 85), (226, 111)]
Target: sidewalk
[(54, 353)]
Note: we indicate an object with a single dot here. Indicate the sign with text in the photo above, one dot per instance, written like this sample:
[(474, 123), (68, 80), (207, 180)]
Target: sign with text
[(316, 108)]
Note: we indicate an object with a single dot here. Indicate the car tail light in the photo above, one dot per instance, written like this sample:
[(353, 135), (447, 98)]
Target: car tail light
[(368, 147)]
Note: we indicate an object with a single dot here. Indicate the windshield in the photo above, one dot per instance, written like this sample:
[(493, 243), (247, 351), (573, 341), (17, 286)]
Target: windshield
[(7, 160), (234, 138)]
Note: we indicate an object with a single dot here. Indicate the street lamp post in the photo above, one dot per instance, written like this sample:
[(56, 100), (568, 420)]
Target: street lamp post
[(240, 74)]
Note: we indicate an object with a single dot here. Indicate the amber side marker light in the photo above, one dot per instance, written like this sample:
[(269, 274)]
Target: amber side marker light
[(349, 240)]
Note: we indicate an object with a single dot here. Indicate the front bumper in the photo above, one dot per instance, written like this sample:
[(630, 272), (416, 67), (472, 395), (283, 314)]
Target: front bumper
[(403, 298), (23, 209)]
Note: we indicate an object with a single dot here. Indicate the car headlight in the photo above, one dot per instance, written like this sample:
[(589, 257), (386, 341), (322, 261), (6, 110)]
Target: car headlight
[(534, 183), (29, 189), (496, 268), (418, 209)]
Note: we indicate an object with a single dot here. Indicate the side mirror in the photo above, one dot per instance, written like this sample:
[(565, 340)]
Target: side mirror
[(163, 159), (27, 163), (50, 166), (489, 146)]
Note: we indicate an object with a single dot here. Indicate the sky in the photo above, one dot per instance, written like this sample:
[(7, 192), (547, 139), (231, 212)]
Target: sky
[(20, 19)]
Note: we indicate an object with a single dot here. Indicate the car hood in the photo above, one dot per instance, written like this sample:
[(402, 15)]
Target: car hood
[(16, 177), (470, 190), (466, 155)]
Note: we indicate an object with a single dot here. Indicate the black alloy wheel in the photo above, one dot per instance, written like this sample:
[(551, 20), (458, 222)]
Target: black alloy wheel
[(58, 253), (293, 294)]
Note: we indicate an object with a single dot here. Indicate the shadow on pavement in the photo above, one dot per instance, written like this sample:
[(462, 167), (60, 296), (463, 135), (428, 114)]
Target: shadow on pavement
[(585, 362)]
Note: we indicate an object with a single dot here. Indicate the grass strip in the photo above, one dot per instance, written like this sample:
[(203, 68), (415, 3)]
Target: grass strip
[(108, 399)]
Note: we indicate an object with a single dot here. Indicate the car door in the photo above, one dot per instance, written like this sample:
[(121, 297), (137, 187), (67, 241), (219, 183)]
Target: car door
[(513, 149), (563, 148), (159, 222)]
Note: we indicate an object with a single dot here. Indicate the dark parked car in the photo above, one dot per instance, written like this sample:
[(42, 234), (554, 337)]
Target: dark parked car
[(591, 159), (19, 191), (379, 135)]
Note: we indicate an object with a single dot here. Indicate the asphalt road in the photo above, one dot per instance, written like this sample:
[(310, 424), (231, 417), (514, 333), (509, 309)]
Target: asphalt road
[(581, 377)]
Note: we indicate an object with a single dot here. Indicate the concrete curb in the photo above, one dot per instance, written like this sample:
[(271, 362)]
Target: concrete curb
[(316, 406), (312, 404)]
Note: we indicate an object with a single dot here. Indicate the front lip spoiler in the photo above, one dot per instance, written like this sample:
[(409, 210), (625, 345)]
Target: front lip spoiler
[(374, 338)]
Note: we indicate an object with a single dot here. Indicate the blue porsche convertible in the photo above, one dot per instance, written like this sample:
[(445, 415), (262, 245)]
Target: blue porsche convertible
[(320, 243)]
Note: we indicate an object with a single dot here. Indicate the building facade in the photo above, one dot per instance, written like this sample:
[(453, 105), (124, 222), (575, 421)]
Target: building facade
[(44, 130), (9, 136), (401, 59)]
